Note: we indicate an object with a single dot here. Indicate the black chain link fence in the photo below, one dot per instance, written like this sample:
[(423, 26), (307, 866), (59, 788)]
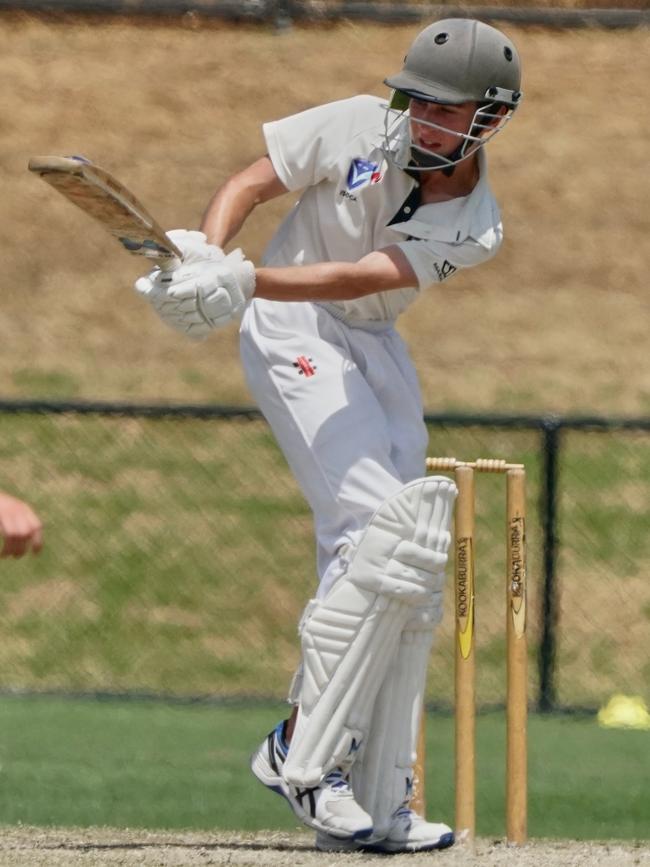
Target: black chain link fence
[(283, 13), (179, 554)]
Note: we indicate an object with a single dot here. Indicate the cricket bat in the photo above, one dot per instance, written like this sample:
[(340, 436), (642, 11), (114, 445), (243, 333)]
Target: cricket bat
[(103, 197)]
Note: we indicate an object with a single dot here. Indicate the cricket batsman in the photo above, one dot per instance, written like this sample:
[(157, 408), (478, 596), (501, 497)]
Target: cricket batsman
[(392, 201)]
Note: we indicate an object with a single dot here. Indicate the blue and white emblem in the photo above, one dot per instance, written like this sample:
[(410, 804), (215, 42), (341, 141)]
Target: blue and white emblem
[(363, 173)]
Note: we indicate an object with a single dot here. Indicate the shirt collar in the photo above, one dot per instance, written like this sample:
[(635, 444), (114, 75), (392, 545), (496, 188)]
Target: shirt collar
[(454, 221)]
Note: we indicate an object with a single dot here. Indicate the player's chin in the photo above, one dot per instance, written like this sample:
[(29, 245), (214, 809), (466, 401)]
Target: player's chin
[(434, 150)]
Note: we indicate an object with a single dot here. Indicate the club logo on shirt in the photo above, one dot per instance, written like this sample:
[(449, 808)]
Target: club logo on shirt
[(445, 270), (363, 173), (304, 365)]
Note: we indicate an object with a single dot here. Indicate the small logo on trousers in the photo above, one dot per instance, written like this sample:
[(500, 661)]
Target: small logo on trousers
[(305, 365)]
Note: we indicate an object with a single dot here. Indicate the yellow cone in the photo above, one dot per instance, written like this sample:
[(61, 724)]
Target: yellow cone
[(624, 712)]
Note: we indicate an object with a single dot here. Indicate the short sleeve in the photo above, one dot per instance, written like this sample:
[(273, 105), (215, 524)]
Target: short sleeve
[(436, 261), (304, 147)]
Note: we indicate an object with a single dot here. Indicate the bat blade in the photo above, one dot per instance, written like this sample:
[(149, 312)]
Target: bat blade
[(106, 199)]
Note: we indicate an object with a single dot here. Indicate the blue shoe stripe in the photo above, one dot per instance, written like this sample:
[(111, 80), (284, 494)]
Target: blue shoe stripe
[(446, 840), (283, 746)]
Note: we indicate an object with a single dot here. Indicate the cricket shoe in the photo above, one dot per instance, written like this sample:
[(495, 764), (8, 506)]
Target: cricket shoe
[(328, 808), (408, 833)]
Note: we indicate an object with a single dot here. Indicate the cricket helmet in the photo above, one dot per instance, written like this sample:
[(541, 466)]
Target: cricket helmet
[(460, 60)]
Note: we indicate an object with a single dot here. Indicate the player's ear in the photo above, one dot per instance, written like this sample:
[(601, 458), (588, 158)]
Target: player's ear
[(495, 112)]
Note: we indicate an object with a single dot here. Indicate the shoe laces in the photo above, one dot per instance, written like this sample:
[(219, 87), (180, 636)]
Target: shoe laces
[(337, 780)]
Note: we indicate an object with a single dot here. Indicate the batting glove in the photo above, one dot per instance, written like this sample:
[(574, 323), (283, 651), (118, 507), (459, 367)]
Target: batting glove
[(198, 297)]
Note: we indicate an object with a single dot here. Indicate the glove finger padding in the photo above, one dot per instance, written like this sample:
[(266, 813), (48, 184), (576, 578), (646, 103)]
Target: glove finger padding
[(234, 288), (235, 257)]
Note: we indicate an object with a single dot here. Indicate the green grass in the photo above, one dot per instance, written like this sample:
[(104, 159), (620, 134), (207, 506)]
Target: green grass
[(179, 555), (141, 764)]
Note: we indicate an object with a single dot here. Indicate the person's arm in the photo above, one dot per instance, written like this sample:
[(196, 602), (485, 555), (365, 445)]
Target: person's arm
[(235, 200), (336, 281), (20, 528)]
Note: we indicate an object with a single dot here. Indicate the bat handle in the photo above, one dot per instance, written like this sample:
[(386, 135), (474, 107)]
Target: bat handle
[(169, 264)]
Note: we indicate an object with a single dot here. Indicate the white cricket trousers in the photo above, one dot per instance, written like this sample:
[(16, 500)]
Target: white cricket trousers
[(344, 405)]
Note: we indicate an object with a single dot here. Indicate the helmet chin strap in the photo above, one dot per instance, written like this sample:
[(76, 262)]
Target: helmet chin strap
[(427, 160)]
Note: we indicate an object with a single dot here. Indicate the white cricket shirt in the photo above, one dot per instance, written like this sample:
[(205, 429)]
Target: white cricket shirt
[(356, 201)]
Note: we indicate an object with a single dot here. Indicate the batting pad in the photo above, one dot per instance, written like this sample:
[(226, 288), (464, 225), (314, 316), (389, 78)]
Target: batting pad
[(382, 777), (350, 638)]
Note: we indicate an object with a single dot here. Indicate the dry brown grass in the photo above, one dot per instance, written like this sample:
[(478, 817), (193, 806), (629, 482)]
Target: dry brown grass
[(558, 321)]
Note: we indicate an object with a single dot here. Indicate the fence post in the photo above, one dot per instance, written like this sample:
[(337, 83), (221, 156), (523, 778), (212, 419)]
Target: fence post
[(282, 14), (551, 428)]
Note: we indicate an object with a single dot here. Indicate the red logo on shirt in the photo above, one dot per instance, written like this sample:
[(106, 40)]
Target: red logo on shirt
[(304, 365)]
